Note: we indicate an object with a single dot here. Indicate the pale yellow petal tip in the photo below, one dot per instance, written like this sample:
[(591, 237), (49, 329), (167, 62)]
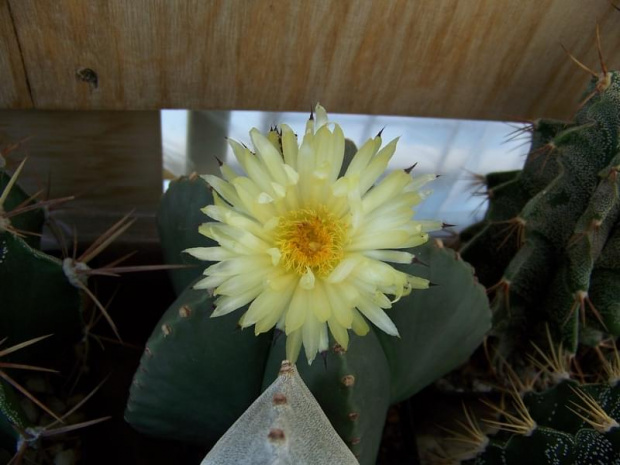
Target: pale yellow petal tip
[(196, 252), (307, 280), (320, 116), (292, 354), (361, 331)]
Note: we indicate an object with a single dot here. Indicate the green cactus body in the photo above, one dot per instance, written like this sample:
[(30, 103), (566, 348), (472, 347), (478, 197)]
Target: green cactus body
[(178, 220), (37, 299), (198, 374), (547, 242), (605, 282)]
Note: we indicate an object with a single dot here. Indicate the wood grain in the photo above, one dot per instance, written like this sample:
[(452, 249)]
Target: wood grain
[(485, 59), (111, 161), (13, 84)]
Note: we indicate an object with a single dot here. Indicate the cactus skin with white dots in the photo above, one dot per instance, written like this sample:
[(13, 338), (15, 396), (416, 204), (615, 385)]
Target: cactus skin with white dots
[(560, 435)]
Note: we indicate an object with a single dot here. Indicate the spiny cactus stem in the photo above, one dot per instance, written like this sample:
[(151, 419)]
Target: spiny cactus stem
[(21, 345), (521, 422), (24, 207), (579, 63), (103, 310), (600, 50), (595, 415), (69, 428), (471, 434), (11, 183), (546, 151), (515, 225), (502, 291), (478, 184), (107, 238), (518, 383), (581, 299), (14, 383), (519, 131), (556, 364), (40, 204), (78, 405), (29, 438), (575, 238), (487, 356), (604, 81), (611, 367), (117, 271)]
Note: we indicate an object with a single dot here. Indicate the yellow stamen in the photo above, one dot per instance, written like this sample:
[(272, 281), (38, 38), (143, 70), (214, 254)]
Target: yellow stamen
[(311, 239)]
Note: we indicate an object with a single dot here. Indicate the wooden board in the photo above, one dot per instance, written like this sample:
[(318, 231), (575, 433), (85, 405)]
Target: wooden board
[(497, 59), (13, 84), (111, 162)]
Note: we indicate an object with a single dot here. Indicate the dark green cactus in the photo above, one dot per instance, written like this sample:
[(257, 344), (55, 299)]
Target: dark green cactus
[(41, 311), (548, 246), (37, 299), (179, 226), (198, 374), (37, 296), (569, 423)]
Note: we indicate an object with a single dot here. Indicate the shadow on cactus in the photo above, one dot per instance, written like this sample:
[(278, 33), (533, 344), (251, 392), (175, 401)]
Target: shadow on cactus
[(301, 245)]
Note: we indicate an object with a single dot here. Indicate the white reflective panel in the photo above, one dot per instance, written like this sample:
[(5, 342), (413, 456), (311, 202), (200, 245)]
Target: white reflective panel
[(174, 141), (454, 149)]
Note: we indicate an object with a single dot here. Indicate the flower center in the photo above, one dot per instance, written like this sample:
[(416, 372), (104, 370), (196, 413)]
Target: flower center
[(310, 239)]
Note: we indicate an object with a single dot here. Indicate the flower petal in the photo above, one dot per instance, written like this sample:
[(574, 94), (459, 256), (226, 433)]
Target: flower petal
[(293, 345), (363, 156), (227, 304), (210, 254), (289, 146), (298, 310), (390, 187), (269, 155), (377, 166), (341, 308), (340, 333), (378, 317), (311, 336), (359, 325), (394, 256)]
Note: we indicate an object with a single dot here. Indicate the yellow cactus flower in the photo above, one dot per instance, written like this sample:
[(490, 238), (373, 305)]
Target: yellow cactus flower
[(306, 248)]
